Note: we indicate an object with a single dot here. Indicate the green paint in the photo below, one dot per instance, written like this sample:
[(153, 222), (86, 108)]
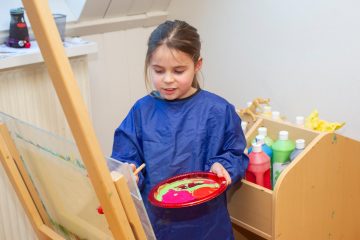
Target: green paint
[(68, 235), (174, 186), (74, 161), (281, 154), (165, 188)]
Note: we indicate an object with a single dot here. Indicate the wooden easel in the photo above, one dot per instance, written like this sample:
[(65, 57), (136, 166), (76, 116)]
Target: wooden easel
[(115, 199)]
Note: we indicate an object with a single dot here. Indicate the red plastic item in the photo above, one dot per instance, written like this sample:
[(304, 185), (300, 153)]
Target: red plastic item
[(100, 210), (258, 170), (186, 190)]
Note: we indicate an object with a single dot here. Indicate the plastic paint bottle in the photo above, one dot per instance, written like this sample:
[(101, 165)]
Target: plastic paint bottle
[(243, 126), (266, 111), (299, 121), (275, 115), (263, 131), (282, 148), (299, 147), (258, 170), (265, 148)]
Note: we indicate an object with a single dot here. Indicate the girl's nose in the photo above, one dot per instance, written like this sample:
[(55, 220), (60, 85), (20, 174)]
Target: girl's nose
[(168, 78)]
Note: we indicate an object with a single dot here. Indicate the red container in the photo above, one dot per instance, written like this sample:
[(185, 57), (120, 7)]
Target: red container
[(258, 170)]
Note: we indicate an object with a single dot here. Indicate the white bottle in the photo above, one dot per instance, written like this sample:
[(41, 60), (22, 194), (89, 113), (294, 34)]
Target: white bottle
[(266, 111), (263, 131), (299, 147), (243, 126), (275, 115), (299, 121)]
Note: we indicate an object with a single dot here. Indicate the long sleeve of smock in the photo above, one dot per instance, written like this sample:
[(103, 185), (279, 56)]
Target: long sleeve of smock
[(232, 145), (126, 146)]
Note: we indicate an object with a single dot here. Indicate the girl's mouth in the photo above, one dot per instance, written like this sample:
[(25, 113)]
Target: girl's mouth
[(169, 90)]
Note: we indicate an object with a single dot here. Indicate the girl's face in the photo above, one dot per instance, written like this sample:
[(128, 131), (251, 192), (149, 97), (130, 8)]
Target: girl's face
[(172, 73)]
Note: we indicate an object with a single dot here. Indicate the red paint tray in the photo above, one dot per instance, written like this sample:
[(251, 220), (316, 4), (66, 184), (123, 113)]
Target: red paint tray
[(187, 190)]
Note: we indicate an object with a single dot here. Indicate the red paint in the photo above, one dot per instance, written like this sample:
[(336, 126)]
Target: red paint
[(203, 192), (258, 170), (21, 25), (100, 210)]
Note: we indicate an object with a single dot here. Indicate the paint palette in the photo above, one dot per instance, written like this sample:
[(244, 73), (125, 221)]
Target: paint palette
[(187, 189)]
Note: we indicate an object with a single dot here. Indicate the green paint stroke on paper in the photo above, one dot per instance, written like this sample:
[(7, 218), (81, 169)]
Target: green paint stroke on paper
[(74, 161)]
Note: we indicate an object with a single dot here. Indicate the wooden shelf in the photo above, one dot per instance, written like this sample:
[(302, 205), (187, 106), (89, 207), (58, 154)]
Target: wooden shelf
[(315, 197)]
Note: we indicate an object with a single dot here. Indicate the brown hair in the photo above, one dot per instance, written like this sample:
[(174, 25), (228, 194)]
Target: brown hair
[(178, 35)]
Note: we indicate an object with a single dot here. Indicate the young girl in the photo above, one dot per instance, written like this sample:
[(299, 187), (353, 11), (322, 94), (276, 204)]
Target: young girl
[(181, 128)]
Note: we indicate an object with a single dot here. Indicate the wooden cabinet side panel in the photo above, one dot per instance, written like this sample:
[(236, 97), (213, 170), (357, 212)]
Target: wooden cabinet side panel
[(318, 196)]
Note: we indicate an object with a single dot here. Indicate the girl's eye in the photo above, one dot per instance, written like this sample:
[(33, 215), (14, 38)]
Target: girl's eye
[(178, 71), (158, 71)]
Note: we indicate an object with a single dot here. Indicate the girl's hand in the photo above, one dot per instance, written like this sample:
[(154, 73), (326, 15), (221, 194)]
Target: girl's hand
[(133, 167), (220, 171)]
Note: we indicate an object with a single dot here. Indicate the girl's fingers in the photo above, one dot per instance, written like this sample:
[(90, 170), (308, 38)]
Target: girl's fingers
[(133, 166), (220, 171), (216, 168), (227, 177)]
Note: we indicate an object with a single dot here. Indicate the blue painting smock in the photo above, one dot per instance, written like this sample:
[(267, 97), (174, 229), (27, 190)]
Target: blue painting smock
[(180, 136)]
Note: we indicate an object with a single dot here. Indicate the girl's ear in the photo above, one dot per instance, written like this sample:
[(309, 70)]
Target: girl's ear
[(198, 65)]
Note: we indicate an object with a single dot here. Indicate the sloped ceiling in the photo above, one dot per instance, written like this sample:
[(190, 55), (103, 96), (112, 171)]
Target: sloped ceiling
[(113, 15), (85, 17), (95, 9)]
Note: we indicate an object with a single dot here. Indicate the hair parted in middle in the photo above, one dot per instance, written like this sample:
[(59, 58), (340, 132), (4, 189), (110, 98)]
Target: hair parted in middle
[(177, 35)]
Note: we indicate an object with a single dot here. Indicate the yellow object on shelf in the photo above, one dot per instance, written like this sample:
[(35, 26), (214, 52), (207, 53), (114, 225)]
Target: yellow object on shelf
[(251, 110), (314, 122)]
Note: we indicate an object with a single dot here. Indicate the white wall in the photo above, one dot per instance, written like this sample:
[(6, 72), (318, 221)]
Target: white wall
[(301, 54), (116, 79)]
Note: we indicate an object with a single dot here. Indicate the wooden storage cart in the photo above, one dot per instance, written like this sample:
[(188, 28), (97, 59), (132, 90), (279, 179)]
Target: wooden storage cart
[(316, 197)]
